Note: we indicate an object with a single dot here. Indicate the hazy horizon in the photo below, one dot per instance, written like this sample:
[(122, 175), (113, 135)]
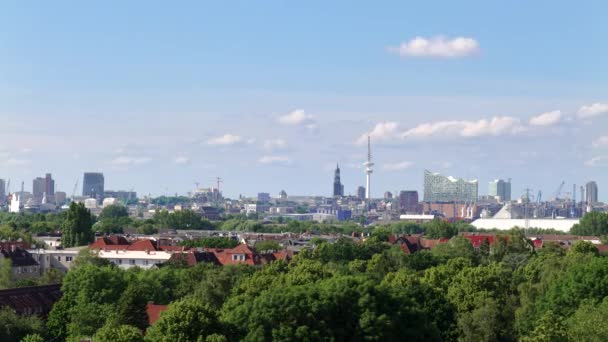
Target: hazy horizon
[(270, 96)]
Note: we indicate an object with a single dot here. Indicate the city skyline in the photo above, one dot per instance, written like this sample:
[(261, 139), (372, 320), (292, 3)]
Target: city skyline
[(277, 105)]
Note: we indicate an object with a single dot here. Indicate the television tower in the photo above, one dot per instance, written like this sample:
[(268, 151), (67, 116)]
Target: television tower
[(368, 168)]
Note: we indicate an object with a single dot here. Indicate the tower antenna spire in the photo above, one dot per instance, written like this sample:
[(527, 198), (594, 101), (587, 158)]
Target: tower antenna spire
[(368, 168)]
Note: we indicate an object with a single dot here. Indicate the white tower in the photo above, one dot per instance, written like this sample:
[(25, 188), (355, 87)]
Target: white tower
[(368, 169)]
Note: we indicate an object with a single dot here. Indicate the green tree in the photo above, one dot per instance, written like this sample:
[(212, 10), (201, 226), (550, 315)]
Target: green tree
[(593, 223), (120, 333), (76, 229), (439, 228), (186, 320), (14, 327), (267, 245), (584, 247), (32, 338), (114, 211), (6, 273), (589, 323)]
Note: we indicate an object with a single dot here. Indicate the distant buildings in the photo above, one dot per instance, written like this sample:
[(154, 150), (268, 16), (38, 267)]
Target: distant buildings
[(2, 191), (93, 185), (591, 192), (438, 188), (361, 192), (263, 197), (338, 186), (408, 202), (500, 190), (388, 195), (123, 196)]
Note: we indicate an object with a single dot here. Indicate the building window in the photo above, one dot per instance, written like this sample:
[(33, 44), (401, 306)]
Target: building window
[(59, 258), (238, 257), (145, 262), (132, 262), (68, 259), (120, 261)]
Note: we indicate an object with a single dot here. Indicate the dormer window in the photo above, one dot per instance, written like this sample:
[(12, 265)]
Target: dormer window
[(238, 257)]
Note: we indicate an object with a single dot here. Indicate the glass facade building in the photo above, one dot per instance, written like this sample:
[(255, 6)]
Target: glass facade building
[(438, 188)]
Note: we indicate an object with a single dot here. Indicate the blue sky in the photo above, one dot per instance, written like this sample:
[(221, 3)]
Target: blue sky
[(270, 95)]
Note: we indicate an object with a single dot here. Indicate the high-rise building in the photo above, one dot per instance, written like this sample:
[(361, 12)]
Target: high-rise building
[(408, 202), (49, 185), (499, 188), (591, 192), (93, 185), (338, 186), (263, 197), (388, 195), (438, 188), (2, 191), (361, 192), (38, 188), (42, 186)]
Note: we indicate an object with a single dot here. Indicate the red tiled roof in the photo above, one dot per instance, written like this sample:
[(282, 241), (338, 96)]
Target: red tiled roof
[(154, 311), (142, 245), (478, 240)]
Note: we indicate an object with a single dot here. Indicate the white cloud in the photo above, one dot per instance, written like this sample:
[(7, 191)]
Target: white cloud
[(438, 46), (17, 162), (399, 166), (275, 144), (382, 131), (499, 125), (181, 160), (225, 140), (592, 110), (546, 119), (129, 161), (601, 141), (298, 117), (272, 159), (597, 161)]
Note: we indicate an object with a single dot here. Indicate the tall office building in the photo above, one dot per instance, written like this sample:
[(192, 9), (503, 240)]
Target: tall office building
[(93, 185), (438, 188), (408, 202), (2, 191), (591, 192), (38, 188), (361, 192), (49, 185), (500, 188), (42, 186), (338, 186)]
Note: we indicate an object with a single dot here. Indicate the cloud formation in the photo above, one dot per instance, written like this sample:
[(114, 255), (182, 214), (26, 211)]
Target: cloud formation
[(546, 119), (592, 110), (382, 131), (398, 166), (438, 46), (275, 159), (601, 141), (598, 161), (498, 125), (225, 140), (181, 160), (129, 161), (275, 144), (296, 118)]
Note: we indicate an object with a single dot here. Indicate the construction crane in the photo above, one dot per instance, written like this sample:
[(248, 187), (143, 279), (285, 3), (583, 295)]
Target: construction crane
[(558, 192), (75, 188)]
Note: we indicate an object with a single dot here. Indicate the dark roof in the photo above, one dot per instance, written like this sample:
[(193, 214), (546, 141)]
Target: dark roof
[(19, 257), (31, 300)]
